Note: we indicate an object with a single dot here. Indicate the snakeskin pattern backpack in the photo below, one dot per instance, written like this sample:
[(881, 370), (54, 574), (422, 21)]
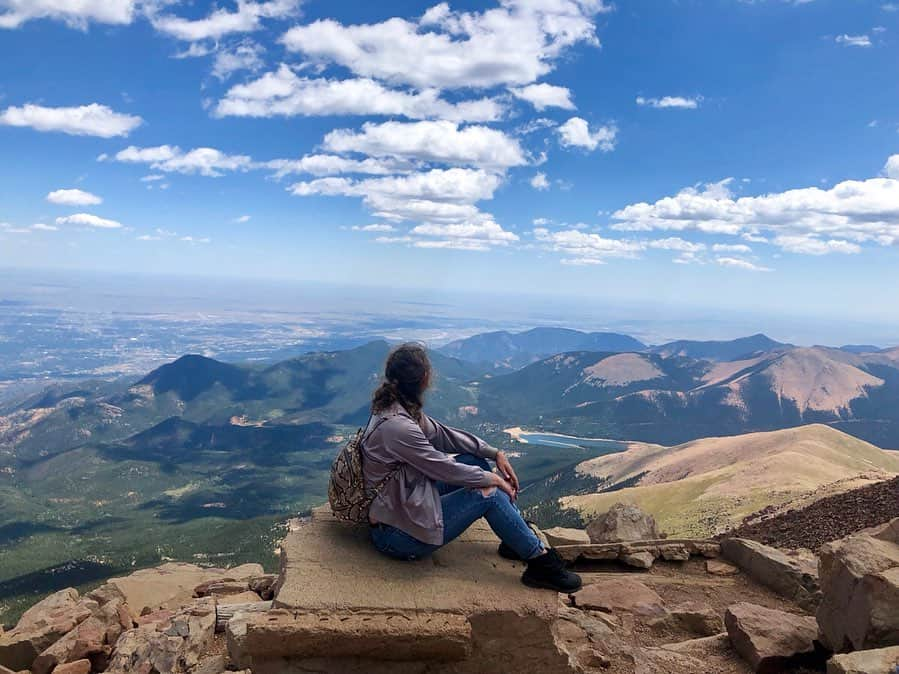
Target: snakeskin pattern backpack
[(350, 499)]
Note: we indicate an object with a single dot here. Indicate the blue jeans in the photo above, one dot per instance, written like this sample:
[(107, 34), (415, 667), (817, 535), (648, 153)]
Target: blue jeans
[(461, 508)]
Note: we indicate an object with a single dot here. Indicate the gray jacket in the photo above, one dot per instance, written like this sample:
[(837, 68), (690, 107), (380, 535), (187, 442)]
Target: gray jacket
[(409, 500)]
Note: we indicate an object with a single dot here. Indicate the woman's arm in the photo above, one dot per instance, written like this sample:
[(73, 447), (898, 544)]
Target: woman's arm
[(404, 439), (455, 440)]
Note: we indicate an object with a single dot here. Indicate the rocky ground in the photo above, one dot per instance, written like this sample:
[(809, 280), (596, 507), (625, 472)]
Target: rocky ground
[(825, 520)]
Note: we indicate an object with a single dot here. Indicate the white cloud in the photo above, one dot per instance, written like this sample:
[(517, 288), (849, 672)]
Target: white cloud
[(576, 133), (543, 96), (740, 248), (810, 245), (88, 220), (86, 120), (246, 55), (670, 102), (41, 227), (851, 212), (478, 235), (284, 93), (584, 248), (330, 165), (431, 141), (191, 239), (75, 13), (205, 161), (540, 182), (677, 244), (740, 263), (377, 227), (245, 19), (854, 40), (515, 43), (891, 169), (152, 178), (73, 198), (242, 219)]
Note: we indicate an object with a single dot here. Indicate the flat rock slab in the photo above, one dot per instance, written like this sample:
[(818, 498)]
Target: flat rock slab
[(884, 660), (328, 566), (795, 578), (462, 610), (619, 595), (770, 640)]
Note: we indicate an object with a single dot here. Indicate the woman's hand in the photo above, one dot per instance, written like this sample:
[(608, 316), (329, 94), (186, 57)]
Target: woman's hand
[(506, 470), (501, 483)]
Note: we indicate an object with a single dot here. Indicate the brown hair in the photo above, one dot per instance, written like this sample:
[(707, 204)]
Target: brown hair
[(407, 375)]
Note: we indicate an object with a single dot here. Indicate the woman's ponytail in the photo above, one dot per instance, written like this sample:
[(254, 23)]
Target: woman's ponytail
[(407, 375)]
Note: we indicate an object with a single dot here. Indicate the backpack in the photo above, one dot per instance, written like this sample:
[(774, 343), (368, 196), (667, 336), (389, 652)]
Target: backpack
[(350, 499)]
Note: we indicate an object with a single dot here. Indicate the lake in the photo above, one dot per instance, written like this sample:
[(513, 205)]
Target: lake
[(558, 440)]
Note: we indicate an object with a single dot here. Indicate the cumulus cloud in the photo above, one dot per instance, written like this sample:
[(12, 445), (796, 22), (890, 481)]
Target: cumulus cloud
[(838, 219), (283, 93), (376, 227), (73, 198), (586, 248), (242, 219), (246, 18), (431, 141), (576, 133), (543, 96), (740, 248), (246, 55), (854, 40), (740, 263), (86, 120), (331, 165), (540, 182), (669, 102), (88, 220), (205, 161), (42, 227), (677, 244), (75, 13), (514, 44)]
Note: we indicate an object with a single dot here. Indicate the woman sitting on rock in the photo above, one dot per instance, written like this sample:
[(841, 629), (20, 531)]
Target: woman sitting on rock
[(426, 498)]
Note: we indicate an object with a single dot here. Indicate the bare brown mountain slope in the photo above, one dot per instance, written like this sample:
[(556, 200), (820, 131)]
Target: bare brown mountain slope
[(707, 486)]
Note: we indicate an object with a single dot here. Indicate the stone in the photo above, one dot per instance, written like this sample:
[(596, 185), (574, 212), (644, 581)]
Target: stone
[(77, 667), (716, 567), (462, 610), (106, 593), (768, 639), (619, 595), (663, 661), (623, 522), (241, 598), (222, 586), (167, 643), (860, 584), (674, 553), (214, 664), (564, 536), (639, 560), (791, 577), (876, 661), (87, 640), (698, 618), (171, 585), (263, 585), (43, 625), (245, 571)]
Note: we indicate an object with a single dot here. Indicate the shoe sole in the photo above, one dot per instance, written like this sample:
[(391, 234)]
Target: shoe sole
[(541, 585)]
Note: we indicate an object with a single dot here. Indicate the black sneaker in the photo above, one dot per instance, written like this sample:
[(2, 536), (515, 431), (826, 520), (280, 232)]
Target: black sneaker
[(548, 571)]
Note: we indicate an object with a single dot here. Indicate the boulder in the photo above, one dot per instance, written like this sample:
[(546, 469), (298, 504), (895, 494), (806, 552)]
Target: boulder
[(564, 536), (619, 595), (716, 567), (768, 639), (77, 667), (245, 571), (240, 598), (173, 643), (86, 641), (263, 585), (698, 618), (171, 585), (639, 560), (860, 583), (877, 661), (623, 522), (340, 606), (791, 577), (222, 586), (674, 553), (43, 625)]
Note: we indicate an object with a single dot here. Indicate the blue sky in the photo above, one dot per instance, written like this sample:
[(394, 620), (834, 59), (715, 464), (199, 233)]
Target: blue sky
[(714, 153)]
